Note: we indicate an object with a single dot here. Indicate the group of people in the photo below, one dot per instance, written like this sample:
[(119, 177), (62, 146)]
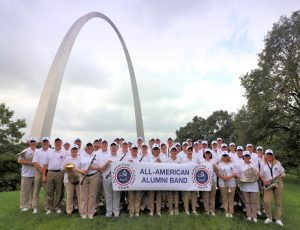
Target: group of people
[(84, 175)]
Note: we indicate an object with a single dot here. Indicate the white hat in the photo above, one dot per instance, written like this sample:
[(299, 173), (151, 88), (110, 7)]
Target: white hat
[(155, 146), (45, 139), (246, 153), (177, 144), (214, 142), (196, 143), (224, 145), (139, 138), (124, 143), (31, 139), (259, 147), (104, 140), (134, 146), (77, 139), (189, 139), (129, 142), (144, 145), (74, 146), (173, 147), (225, 154), (185, 143), (232, 144), (66, 142), (204, 142), (240, 148), (219, 139), (249, 145), (207, 150), (269, 151)]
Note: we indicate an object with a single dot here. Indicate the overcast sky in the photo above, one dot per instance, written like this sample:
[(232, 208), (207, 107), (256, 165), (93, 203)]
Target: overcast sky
[(187, 56)]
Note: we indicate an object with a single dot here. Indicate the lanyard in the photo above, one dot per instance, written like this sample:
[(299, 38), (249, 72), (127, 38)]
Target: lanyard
[(271, 169), (142, 158)]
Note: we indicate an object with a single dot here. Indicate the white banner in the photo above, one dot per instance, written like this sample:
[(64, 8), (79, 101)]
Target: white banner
[(161, 176)]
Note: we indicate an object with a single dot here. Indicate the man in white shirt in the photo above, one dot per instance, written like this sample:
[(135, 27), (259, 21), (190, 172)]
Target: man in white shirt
[(39, 159), (54, 177), (28, 172)]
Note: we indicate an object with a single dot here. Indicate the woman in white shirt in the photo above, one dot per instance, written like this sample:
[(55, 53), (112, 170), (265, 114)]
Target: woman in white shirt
[(227, 184), (210, 196), (249, 190), (271, 173), (71, 178), (187, 195)]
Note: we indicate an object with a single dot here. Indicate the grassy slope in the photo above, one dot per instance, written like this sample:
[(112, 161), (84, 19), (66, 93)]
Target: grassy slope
[(12, 218)]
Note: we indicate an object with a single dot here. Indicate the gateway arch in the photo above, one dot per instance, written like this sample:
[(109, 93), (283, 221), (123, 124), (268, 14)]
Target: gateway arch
[(43, 120)]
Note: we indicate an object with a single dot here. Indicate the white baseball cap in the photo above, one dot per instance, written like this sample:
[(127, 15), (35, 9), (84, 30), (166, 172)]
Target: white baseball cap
[(207, 150), (240, 148), (31, 139), (155, 146), (225, 154), (74, 146), (269, 151), (232, 144), (219, 139), (214, 142), (204, 142), (134, 146), (224, 145), (246, 153), (185, 143), (249, 145), (139, 138), (45, 139), (259, 148)]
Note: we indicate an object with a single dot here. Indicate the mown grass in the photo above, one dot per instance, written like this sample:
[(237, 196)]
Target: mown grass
[(12, 218)]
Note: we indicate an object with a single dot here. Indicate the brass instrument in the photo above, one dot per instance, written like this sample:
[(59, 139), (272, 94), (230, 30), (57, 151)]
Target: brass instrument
[(216, 171), (274, 182), (226, 181), (72, 175), (251, 176), (23, 156)]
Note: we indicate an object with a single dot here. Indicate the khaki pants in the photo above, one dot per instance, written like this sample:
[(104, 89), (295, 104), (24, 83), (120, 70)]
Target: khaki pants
[(187, 195), (173, 197), (71, 190), (134, 202), (88, 195), (209, 198), (277, 197), (260, 197), (227, 199), (26, 194), (112, 198), (54, 190), (99, 194), (36, 191), (250, 199), (157, 195)]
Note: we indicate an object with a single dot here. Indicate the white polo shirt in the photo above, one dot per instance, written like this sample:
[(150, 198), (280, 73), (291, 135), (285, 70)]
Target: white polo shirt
[(70, 160), (170, 160), (55, 159), (145, 158), (40, 156), (112, 158), (227, 169), (247, 187), (266, 169), (27, 170), (85, 161), (211, 162), (186, 160)]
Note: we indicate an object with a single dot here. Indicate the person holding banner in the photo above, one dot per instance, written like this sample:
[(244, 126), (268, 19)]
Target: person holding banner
[(173, 196), (227, 183), (156, 158), (272, 173), (88, 182), (134, 196), (210, 196), (187, 195), (112, 198)]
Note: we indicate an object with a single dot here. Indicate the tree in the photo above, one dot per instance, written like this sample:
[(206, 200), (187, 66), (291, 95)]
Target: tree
[(10, 144), (219, 124), (273, 90)]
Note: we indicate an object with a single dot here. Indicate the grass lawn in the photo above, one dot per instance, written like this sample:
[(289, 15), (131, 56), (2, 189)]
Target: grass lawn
[(12, 218)]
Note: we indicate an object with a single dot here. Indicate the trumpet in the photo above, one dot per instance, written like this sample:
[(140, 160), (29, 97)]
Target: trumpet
[(274, 182), (226, 181)]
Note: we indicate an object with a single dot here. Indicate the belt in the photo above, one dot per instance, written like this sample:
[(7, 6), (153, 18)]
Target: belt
[(88, 175), (54, 170)]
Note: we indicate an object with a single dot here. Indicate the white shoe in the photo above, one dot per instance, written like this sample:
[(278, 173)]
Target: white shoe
[(213, 214), (176, 213), (206, 213), (279, 222), (150, 213), (195, 213), (137, 214), (24, 209), (131, 215), (230, 215), (83, 217), (259, 213), (227, 215), (187, 212), (58, 211), (48, 212), (249, 218), (158, 213), (90, 216), (171, 213), (254, 220), (267, 221), (244, 210), (35, 210)]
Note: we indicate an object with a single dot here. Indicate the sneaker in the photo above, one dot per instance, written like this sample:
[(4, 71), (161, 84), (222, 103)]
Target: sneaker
[(131, 215), (35, 210), (227, 215), (254, 220), (207, 213), (195, 213), (267, 221), (230, 215), (116, 216), (213, 213), (83, 217), (171, 213), (279, 222), (176, 213), (150, 213), (48, 212), (137, 214), (24, 209), (244, 209), (108, 216), (187, 212), (249, 218), (58, 211), (158, 213), (90, 216), (259, 213)]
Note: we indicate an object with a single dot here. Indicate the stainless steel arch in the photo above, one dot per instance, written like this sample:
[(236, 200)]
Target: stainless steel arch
[(43, 120)]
